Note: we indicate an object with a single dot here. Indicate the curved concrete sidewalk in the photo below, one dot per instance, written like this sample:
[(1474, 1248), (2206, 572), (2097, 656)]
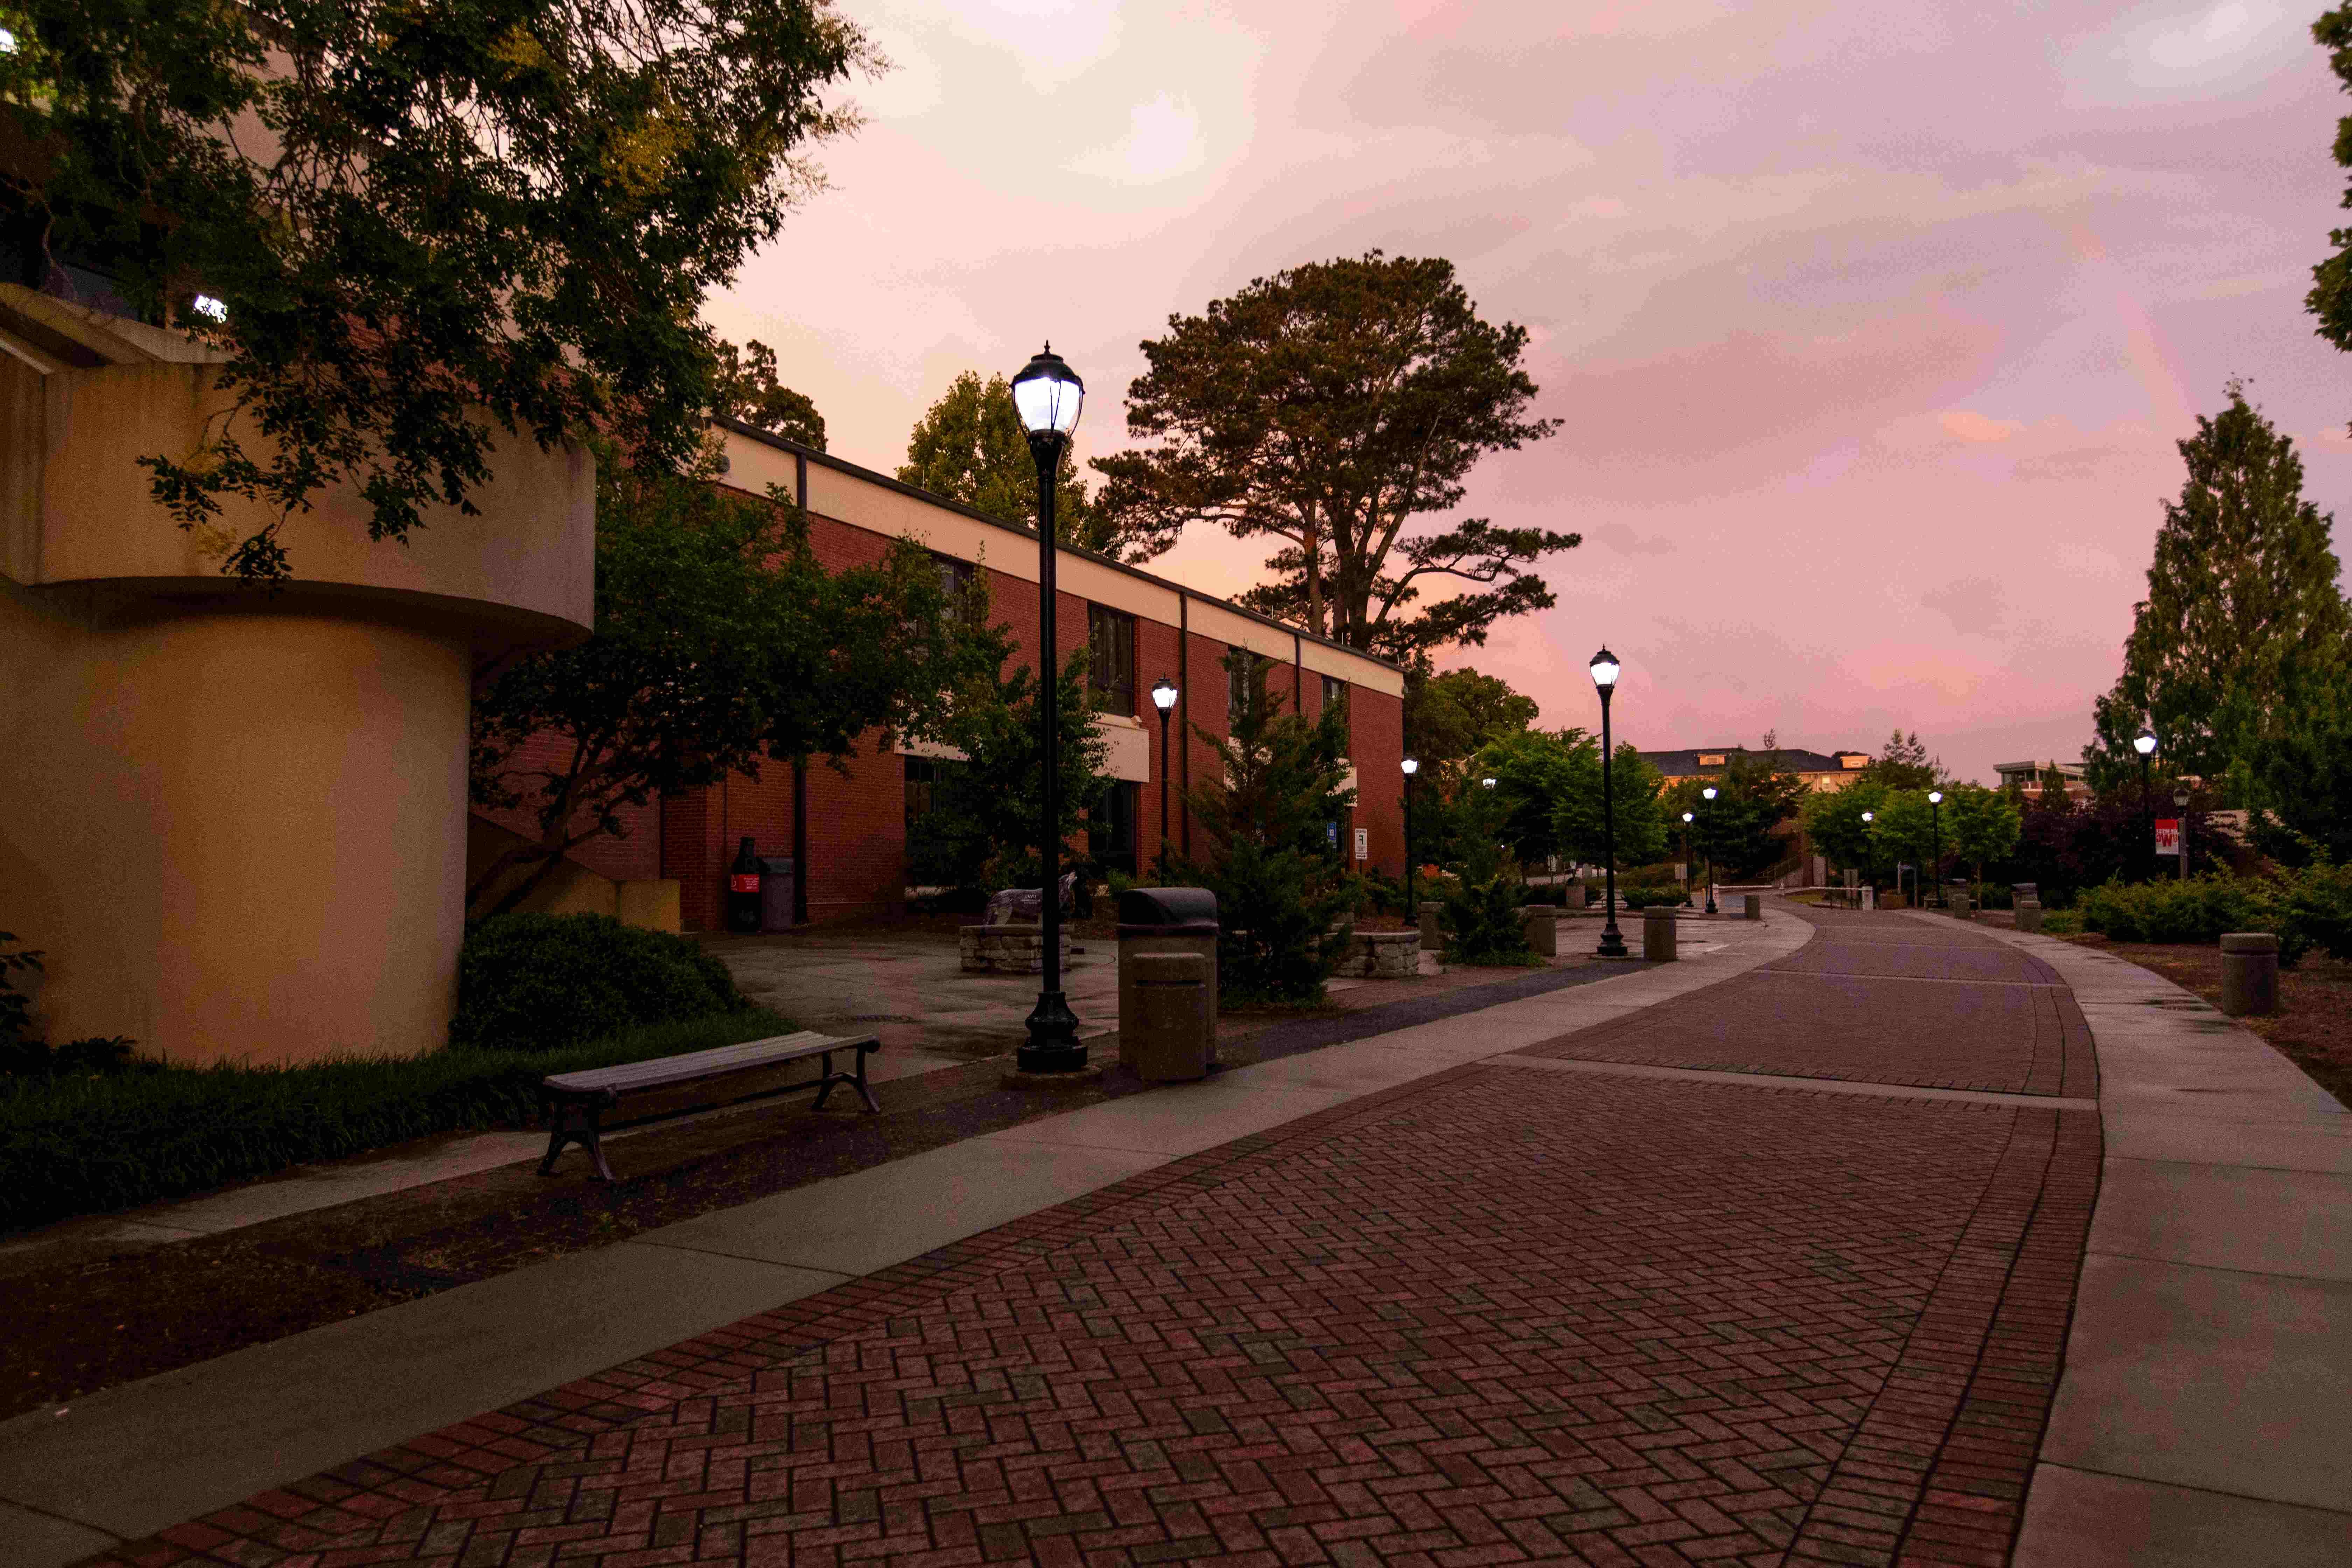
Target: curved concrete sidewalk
[(210, 1435), (2205, 1412)]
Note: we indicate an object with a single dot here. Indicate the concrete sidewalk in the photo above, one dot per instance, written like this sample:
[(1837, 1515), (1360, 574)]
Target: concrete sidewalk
[(2205, 1416), (206, 1437)]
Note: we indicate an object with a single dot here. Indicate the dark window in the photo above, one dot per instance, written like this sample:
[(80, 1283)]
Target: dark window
[(959, 579), (1237, 686), (922, 788), (1111, 676), (1335, 695), (1110, 828)]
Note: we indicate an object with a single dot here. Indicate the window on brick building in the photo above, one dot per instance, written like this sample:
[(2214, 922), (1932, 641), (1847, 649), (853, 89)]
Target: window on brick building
[(922, 788), (1237, 687), (1334, 696), (1111, 824), (1110, 672), (960, 581)]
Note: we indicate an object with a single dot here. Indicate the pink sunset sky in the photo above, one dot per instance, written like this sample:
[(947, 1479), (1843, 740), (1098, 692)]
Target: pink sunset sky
[(1872, 327)]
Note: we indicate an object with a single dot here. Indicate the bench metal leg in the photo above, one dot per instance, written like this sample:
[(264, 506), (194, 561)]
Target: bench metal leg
[(825, 1085), (575, 1121)]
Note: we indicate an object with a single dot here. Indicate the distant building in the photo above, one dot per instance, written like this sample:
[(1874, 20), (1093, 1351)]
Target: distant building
[(2029, 777), (1832, 772)]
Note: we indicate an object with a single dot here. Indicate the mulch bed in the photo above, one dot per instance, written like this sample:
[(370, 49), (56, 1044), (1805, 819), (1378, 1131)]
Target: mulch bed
[(2313, 1027), (88, 1313)]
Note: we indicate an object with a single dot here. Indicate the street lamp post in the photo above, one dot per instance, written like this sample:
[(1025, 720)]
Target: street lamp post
[(1412, 766), (1604, 678), (1708, 851), (1163, 697), (1868, 860), (2145, 744), (2180, 804), (1686, 876), (1936, 844), (1048, 394)]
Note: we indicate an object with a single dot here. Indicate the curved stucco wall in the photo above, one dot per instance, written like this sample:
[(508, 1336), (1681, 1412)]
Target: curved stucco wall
[(257, 854)]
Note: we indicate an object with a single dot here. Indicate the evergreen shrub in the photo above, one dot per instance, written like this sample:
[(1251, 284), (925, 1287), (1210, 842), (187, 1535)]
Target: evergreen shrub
[(543, 983)]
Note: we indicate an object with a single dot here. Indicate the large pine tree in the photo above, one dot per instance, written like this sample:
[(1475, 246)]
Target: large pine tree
[(2243, 581)]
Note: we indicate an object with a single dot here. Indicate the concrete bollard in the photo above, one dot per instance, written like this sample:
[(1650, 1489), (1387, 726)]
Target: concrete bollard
[(1166, 1038), (1432, 937), (1576, 897), (2249, 973), (1541, 924), (2029, 915), (1658, 934), (1754, 908), (1962, 909)]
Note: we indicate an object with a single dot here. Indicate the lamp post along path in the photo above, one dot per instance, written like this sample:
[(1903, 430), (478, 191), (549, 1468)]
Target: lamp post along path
[(1604, 680), (1047, 394), (1936, 843), (1163, 697), (1412, 766), (2145, 744), (1707, 849)]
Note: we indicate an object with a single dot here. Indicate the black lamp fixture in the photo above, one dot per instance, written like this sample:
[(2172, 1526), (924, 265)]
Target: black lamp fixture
[(1163, 697), (1687, 819), (1867, 818), (2145, 744), (1708, 794), (1605, 670), (1412, 766), (1936, 844), (1047, 394)]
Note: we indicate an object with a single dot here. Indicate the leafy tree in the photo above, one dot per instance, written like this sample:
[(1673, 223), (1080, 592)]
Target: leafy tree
[(2241, 595), (1903, 832), (1449, 716), (1904, 763), (1532, 770), (1984, 824), (746, 388), (981, 830), (1480, 906), (1737, 830), (1284, 899), (1641, 812), (1328, 408), (1833, 821), (970, 447), (432, 227), (2305, 776), (720, 642)]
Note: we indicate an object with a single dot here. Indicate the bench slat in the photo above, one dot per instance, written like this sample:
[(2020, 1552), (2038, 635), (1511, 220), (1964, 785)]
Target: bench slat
[(691, 1065)]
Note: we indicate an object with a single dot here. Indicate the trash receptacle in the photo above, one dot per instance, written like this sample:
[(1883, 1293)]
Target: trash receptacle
[(1541, 924), (1165, 1037), (776, 890), (1658, 934), (1754, 909), (2020, 891), (1153, 920)]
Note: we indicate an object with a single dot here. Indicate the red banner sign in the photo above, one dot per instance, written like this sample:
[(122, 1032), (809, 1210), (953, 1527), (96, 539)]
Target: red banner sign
[(2168, 836)]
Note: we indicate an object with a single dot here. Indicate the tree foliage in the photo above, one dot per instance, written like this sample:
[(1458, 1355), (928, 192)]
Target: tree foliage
[(981, 830), (1330, 408), (1903, 763), (720, 643), (1985, 824), (1833, 822), (1480, 908), (970, 447), (1533, 771), (1640, 810), (2243, 606), (434, 227), (2304, 776), (1738, 831), (1284, 897), (746, 388), (1449, 716)]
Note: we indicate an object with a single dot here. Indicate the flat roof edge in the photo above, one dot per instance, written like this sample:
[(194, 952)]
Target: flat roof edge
[(858, 471)]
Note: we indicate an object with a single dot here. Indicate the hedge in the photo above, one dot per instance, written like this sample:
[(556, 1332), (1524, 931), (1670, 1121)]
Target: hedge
[(79, 1145), (535, 982), (2307, 909)]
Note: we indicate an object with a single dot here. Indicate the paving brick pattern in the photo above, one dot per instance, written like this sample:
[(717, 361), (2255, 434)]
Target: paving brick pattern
[(1498, 1315), (1876, 998)]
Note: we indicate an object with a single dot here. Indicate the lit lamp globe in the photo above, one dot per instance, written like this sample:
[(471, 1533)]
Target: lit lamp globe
[(2145, 743), (1708, 794), (1935, 797), (1048, 394), (1488, 781), (1164, 694), (1412, 766)]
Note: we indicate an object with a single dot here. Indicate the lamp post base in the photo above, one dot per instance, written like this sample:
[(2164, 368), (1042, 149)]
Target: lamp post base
[(1612, 942), (1053, 1044)]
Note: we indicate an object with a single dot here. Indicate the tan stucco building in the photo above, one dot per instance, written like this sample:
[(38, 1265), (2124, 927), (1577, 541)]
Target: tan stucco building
[(235, 818)]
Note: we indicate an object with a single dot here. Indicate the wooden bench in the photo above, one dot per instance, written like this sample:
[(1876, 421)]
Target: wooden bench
[(573, 1102)]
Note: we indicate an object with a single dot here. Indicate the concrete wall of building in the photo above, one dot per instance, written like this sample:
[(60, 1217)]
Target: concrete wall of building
[(236, 819)]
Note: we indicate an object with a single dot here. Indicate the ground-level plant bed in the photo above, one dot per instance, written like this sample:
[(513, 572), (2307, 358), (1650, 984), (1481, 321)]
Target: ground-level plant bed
[(2313, 1027), (88, 1144)]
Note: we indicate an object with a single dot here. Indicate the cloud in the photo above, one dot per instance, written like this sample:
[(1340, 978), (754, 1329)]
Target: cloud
[(1622, 539), (1968, 425), (1163, 139), (1973, 606)]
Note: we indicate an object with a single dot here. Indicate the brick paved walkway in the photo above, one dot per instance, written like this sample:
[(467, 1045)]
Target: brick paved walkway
[(1505, 1313)]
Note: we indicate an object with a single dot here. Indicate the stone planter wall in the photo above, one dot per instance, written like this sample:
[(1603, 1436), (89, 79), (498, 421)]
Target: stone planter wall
[(1382, 956), (1009, 949)]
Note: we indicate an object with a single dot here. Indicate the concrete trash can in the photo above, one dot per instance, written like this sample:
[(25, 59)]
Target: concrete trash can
[(2020, 891), (1753, 908), (1961, 910), (2249, 973), (1433, 937), (1541, 924), (1166, 1036), (1578, 896), (1658, 934), (1154, 920), (776, 898), (2029, 915)]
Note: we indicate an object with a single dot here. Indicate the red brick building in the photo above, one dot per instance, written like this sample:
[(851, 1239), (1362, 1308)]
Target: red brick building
[(846, 832)]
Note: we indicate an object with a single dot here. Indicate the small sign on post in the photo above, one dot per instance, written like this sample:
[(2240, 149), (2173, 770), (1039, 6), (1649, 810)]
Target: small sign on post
[(2168, 836), (1363, 844)]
